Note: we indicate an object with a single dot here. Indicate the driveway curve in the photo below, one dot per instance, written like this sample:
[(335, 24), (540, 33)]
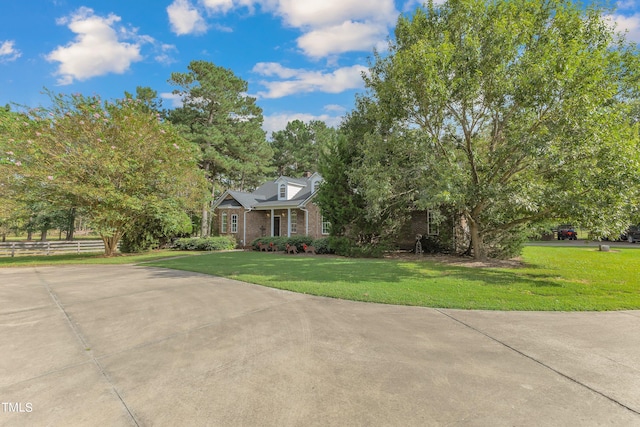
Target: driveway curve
[(132, 345)]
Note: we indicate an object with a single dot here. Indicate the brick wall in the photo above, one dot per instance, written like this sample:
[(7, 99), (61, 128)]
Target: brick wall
[(258, 223)]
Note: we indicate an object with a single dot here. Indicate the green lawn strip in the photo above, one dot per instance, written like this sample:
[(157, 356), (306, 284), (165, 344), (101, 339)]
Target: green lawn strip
[(92, 258), (565, 279)]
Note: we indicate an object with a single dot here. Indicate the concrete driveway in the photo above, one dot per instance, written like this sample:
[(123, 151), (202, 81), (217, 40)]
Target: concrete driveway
[(127, 345)]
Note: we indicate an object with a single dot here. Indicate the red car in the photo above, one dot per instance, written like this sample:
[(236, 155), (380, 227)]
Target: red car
[(567, 233)]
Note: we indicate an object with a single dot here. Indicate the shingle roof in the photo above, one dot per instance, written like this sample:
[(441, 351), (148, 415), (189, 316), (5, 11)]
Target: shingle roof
[(266, 196)]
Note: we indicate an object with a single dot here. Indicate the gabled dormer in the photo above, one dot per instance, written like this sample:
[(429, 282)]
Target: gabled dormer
[(287, 188), (314, 182)]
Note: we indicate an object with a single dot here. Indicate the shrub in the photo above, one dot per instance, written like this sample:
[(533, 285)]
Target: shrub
[(322, 245), (205, 244), (344, 246), (279, 242)]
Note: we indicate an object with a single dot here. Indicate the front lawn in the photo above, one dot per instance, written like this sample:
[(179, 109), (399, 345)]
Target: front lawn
[(552, 278), (87, 258)]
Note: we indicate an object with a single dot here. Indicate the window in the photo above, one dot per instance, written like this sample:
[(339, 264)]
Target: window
[(283, 191), (433, 226), (294, 221), (234, 223), (223, 222), (325, 226), (316, 185)]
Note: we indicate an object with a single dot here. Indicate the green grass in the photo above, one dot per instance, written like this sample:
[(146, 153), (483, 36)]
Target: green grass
[(560, 278), (42, 260)]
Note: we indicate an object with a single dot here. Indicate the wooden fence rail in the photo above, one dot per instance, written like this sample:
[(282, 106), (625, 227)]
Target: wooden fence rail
[(48, 248)]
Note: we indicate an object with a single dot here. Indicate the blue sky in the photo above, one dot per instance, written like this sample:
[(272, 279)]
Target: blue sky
[(302, 58)]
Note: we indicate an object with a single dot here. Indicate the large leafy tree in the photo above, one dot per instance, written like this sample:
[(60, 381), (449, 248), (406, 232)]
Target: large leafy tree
[(225, 123), (509, 112), (298, 147), (115, 160)]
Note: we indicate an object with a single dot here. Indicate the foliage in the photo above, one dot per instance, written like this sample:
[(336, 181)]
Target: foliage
[(509, 112), (345, 246), (115, 160), (296, 148), (225, 124), (322, 246), (340, 197), (152, 229), (221, 243), (280, 243)]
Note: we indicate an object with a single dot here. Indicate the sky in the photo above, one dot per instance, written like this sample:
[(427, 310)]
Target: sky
[(302, 59)]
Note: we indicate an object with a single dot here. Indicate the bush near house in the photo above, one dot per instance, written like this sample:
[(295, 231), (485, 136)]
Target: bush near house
[(280, 243), (222, 243)]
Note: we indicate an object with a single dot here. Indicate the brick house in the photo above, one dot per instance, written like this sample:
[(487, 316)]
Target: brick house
[(283, 207)]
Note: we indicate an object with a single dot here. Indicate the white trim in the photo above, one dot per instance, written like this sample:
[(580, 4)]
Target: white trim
[(224, 217), (322, 222), (436, 227), (306, 221), (291, 214), (236, 223), (272, 212), (244, 227)]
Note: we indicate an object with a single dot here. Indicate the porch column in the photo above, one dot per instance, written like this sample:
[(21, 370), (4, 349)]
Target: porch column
[(288, 222), (271, 223)]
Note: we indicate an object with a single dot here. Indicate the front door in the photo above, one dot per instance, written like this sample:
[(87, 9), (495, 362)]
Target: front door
[(276, 225)]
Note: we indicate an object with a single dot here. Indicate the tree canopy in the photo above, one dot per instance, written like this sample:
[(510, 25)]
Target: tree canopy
[(297, 148), (508, 113), (225, 123), (115, 160)]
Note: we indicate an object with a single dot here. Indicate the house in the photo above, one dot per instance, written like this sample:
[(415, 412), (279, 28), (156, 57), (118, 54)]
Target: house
[(283, 207)]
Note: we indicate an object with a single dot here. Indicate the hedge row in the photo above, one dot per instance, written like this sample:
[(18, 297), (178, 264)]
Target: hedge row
[(204, 244), (280, 243)]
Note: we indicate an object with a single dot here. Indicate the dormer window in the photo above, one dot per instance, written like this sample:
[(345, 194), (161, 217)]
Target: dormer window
[(316, 185), (283, 191)]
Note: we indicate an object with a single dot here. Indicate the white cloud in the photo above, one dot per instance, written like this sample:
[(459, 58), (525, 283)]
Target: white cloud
[(185, 19), (96, 50), (326, 13), (175, 99), (218, 5), (630, 25), (296, 81), (278, 122), (626, 4), (346, 37), (335, 108), (164, 55), (328, 26), (8, 53)]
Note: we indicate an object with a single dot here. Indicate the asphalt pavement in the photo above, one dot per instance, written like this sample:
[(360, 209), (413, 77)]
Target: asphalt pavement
[(140, 346)]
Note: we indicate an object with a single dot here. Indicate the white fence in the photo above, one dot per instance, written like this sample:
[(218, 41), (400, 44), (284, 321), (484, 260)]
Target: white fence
[(49, 248)]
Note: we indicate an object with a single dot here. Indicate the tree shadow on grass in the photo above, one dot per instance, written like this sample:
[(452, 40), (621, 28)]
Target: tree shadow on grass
[(329, 269)]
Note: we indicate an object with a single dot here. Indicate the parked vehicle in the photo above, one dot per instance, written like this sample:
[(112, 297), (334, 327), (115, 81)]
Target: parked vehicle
[(632, 235), (567, 232)]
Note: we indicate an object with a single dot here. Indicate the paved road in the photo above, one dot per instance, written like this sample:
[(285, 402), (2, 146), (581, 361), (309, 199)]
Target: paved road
[(125, 345)]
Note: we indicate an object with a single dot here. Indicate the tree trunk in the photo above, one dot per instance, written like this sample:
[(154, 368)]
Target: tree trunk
[(204, 223), (479, 250), (71, 225), (110, 244), (43, 235)]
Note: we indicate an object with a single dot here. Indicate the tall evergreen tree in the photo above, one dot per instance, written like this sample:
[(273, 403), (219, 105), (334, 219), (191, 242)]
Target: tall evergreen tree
[(297, 148), (225, 124)]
